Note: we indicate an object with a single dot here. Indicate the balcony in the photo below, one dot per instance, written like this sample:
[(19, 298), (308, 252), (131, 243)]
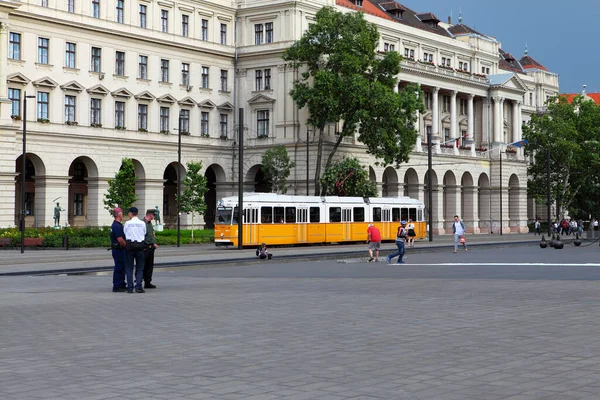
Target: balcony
[(429, 67)]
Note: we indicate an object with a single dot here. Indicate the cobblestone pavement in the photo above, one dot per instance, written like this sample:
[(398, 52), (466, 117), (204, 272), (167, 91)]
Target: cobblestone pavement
[(391, 337)]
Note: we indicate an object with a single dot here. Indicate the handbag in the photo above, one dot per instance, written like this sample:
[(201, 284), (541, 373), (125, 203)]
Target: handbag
[(463, 239)]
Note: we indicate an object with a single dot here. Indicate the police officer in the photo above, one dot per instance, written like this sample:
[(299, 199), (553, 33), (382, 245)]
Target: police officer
[(117, 244), (150, 240), (135, 232)]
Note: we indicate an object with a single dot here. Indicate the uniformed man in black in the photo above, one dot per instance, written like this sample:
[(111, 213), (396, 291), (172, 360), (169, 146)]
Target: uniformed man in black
[(117, 244), (149, 251)]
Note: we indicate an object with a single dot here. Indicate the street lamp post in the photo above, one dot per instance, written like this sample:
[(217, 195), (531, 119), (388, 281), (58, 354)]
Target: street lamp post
[(240, 179), (548, 190), (500, 155), (24, 166), (430, 191), (179, 183)]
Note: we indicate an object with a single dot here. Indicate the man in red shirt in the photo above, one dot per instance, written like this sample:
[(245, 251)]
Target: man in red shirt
[(374, 240)]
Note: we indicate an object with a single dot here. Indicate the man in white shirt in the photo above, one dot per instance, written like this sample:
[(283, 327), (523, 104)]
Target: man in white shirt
[(458, 229), (135, 232)]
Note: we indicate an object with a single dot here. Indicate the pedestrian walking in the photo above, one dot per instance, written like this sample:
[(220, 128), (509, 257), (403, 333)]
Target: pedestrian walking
[(151, 246), (536, 227), (458, 229), (135, 233), (117, 246), (374, 241), (400, 235), (580, 226), (410, 233)]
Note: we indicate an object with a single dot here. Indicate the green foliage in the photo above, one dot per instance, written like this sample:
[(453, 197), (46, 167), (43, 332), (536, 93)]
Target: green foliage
[(344, 79), (356, 181), (572, 134), (121, 188), (192, 198), (277, 166)]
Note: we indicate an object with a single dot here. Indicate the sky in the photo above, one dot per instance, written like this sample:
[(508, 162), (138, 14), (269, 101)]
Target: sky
[(560, 35)]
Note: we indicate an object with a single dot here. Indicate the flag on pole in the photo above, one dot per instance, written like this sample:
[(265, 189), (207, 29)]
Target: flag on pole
[(520, 143)]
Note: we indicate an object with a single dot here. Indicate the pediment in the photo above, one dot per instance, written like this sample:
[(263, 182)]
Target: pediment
[(261, 99), (145, 96), (509, 81), (122, 92), (187, 101), (98, 89), (227, 106), (207, 104), (45, 82), (18, 78), (167, 98), (73, 85)]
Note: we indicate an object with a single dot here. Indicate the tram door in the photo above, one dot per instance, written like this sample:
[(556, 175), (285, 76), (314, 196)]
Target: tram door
[(251, 226), (386, 217), (302, 223), (346, 223)]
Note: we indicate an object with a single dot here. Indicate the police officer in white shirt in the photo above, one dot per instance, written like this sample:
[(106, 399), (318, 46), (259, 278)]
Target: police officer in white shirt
[(135, 232)]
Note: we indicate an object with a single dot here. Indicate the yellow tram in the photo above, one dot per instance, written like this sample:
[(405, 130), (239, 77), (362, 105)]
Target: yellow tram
[(286, 220)]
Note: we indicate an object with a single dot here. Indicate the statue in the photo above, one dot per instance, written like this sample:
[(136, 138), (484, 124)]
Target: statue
[(57, 211), (156, 216)]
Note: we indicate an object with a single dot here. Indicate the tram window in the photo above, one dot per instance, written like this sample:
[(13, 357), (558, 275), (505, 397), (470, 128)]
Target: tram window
[(420, 214), (335, 214), (376, 214), (359, 214), (236, 213), (404, 214), (290, 215), (395, 214), (315, 214), (266, 215), (412, 213), (278, 215)]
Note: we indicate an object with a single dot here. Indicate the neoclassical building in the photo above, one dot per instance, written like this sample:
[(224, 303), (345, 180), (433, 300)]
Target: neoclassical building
[(124, 78)]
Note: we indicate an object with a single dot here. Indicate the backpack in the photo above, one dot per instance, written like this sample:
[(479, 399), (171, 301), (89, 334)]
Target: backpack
[(401, 232)]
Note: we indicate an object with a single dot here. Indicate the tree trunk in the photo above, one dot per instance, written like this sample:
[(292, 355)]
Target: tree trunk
[(192, 228), (319, 158), (331, 154)]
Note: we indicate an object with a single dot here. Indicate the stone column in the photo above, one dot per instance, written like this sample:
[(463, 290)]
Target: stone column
[(516, 131), (453, 120), (438, 210), (470, 207), (435, 122), (7, 199), (470, 140), (97, 215), (502, 139), (50, 190), (3, 58), (497, 121)]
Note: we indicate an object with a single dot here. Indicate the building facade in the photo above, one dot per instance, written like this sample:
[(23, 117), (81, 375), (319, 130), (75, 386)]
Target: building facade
[(125, 78)]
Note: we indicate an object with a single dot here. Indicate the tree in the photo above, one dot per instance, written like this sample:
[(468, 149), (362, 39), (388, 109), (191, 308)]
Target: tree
[(347, 177), (344, 79), (192, 198), (277, 165), (571, 132), (121, 188)]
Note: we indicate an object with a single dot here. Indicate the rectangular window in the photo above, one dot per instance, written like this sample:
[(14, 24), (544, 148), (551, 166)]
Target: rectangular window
[(487, 71), (530, 99), (258, 34), (96, 8), (425, 56), (44, 3), (43, 102), (185, 74), (269, 32), (184, 122), (70, 108), (266, 215), (143, 67), (204, 123), (71, 6), (446, 134), (446, 103), (205, 77), (96, 59), (428, 100), (120, 11), (376, 214), (386, 47), (223, 80), (164, 20), (70, 55), (14, 95), (335, 214), (120, 63), (164, 70), (29, 202), (95, 112), (412, 53), (143, 12), (463, 106), (78, 204), (268, 79), (262, 123), (278, 215), (164, 119), (43, 45), (430, 59), (143, 117), (315, 214), (258, 79), (223, 120), (223, 33), (290, 215), (185, 25), (204, 29), (358, 214), (392, 47), (396, 214), (119, 114), (406, 53)]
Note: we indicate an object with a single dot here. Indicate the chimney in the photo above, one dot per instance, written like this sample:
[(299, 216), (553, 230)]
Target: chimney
[(450, 20)]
